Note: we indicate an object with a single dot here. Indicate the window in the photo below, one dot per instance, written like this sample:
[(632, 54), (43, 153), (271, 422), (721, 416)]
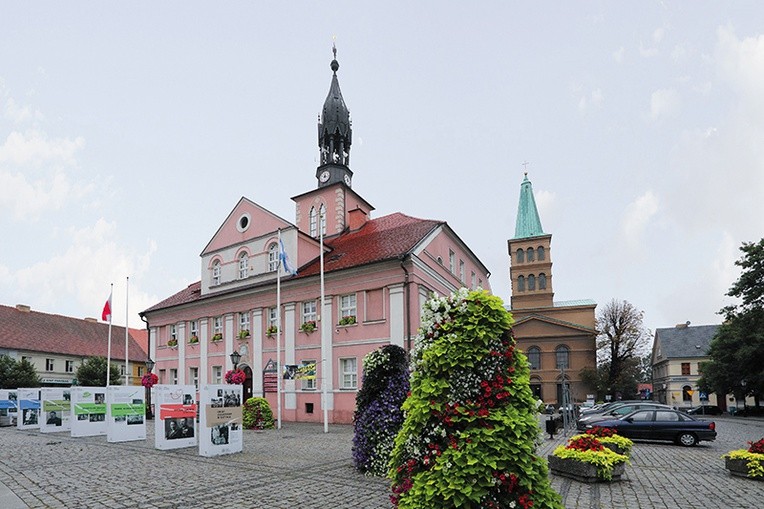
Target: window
[(217, 325), (473, 280), (309, 311), (140, 370), (216, 273), (217, 374), (534, 357), (273, 257), (529, 254), (162, 376), (644, 415), (243, 265), (347, 306), (666, 416), (243, 322), (174, 376), (349, 373), (193, 373), (452, 261), (531, 282), (173, 332), (49, 365), (308, 370), (686, 393), (25, 358), (313, 222), (542, 281), (272, 317), (520, 255), (461, 271), (563, 357), (480, 282), (685, 368), (322, 218), (122, 369), (520, 283), (69, 366), (194, 326), (540, 253)]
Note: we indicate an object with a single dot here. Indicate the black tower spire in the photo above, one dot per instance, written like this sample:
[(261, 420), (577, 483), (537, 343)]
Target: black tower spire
[(335, 135)]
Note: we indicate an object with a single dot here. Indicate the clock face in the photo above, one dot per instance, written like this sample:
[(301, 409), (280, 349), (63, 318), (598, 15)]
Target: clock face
[(324, 176), (347, 179)]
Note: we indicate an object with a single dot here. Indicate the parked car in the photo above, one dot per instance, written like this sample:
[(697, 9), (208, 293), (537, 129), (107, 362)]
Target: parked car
[(615, 412), (604, 407), (704, 410), (661, 424)]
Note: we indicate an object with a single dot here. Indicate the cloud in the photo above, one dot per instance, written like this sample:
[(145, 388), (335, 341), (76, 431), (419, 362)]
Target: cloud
[(664, 103), (741, 64), (619, 54), (29, 200), (594, 99), (655, 38), (637, 217), (33, 148)]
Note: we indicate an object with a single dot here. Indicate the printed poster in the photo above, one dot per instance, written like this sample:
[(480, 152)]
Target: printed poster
[(56, 405), (175, 418), (88, 411), (125, 413), (220, 420), (29, 408), (8, 407)]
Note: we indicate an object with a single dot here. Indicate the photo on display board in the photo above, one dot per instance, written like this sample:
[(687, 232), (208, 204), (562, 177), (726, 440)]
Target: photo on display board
[(120, 418), (188, 399), (231, 398), (99, 398), (67, 396), (30, 416), (134, 419), (97, 417), (216, 402), (220, 393), (53, 419), (12, 396), (220, 434), (83, 417)]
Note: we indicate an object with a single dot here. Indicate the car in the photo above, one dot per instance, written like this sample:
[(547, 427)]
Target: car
[(604, 407), (616, 412), (661, 424), (704, 410)]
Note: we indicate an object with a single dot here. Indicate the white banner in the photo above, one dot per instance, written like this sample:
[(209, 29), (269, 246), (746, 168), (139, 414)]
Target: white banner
[(175, 416), (88, 411), (125, 413), (29, 408), (56, 408), (8, 407), (220, 420)]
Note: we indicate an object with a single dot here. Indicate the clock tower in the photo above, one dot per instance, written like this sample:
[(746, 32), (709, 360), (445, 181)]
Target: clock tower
[(335, 135)]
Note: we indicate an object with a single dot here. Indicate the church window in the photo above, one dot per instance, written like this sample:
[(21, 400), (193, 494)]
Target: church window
[(542, 281), (520, 283), (273, 257), (531, 282), (534, 357), (520, 256), (243, 265), (563, 357), (216, 273), (530, 254), (313, 222), (540, 253)]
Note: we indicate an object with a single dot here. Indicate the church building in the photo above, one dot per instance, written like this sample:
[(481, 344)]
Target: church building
[(559, 337), (377, 273)]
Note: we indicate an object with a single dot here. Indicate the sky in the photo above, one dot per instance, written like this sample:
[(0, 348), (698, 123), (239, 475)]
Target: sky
[(128, 132)]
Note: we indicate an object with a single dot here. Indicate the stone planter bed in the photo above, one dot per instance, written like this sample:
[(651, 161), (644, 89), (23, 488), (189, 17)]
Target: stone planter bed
[(739, 468), (580, 471)]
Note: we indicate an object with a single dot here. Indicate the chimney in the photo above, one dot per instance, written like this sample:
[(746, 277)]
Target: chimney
[(90, 319), (357, 218), (683, 325), (23, 308)]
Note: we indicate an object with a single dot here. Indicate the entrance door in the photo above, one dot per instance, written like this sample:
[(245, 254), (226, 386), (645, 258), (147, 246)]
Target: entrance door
[(247, 383)]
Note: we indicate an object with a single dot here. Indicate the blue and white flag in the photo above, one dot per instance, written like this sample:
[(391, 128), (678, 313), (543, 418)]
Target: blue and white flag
[(285, 260)]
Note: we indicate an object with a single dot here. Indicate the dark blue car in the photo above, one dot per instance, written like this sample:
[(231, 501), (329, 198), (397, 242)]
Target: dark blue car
[(661, 424)]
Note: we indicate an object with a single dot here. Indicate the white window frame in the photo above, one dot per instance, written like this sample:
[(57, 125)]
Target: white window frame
[(313, 218), (461, 271), (244, 321), (348, 306), (452, 261), (50, 364), (348, 373), (70, 366), (194, 328), (308, 385), (193, 374), (216, 273), (273, 257), (309, 311), (217, 374), (243, 265), (173, 332), (217, 325), (272, 317), (174, 376)]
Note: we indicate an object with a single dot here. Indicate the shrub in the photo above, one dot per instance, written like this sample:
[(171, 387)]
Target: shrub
[(257, 414), (468, 438), (378, 416)]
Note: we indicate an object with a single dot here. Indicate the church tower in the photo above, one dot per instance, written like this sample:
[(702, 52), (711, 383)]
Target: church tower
[(335, 135), (530, 254)]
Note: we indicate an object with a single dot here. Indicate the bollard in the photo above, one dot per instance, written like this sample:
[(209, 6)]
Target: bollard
[(551, 426)]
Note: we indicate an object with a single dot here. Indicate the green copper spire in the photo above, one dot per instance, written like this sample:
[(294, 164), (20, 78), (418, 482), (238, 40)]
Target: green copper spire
[(528, 222)]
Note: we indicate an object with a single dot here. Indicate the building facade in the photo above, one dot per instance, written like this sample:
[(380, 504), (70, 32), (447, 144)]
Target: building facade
[(559, 338), (377, 273), (57, 345)]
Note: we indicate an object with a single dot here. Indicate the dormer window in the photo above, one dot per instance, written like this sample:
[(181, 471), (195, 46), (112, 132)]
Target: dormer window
[(243, 265), (273, 257), (216, 273)]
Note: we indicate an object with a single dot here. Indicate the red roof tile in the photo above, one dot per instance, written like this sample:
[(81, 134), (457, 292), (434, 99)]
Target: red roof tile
[(42, 332)]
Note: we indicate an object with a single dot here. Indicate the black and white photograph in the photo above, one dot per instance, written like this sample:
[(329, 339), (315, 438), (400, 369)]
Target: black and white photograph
[(83, 417), (99, 398), (172, 429), (220, 393), (97, 417), (12, 396), (134, 419), (187, 427), (120, 418), (53, 418), (29, 416), (220, 434), (188, 399), (216, 402), (231, 398), (67, 395)]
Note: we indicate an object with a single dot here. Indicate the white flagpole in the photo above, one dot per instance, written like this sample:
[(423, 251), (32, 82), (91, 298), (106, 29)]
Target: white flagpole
[(127, 315), (278, 336), (323, 343), (108, 349)]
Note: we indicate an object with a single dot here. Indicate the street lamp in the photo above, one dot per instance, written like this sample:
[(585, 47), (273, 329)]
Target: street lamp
[(150, 364), (235, 358)]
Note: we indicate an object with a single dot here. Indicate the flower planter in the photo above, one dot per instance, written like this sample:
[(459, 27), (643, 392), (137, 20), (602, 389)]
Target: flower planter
[(581, 471), (615, 448), (739, 468)]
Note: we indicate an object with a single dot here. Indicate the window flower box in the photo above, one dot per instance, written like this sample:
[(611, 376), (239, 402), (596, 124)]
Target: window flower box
[(193, 340), (271, 330), (243, 334), (308, 326), (347, 320), (172, 342), (217, 337)]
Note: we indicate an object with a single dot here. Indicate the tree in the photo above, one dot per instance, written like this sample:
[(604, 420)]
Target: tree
[(622, 340), (15, 374), (737, 350), (92, 372), (468, 438)]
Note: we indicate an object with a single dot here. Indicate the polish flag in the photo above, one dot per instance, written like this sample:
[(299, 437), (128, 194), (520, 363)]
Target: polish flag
[(106, 314)]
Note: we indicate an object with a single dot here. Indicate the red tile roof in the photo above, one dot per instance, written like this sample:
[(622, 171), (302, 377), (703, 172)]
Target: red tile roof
[(385, 238), (42, 332)]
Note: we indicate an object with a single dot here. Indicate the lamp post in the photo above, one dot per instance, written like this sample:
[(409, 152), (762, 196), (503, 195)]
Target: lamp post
[(235, 358), (149, 366)]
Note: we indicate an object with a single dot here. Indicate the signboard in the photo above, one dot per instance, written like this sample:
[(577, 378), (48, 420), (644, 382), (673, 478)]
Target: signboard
[(220, 420), (29, 408), (125, 413), (8, 407), (56, 408), (88, 411), (175, 419)]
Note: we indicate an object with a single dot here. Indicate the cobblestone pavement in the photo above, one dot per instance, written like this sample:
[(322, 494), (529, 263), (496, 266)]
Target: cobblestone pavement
[(300, 466)]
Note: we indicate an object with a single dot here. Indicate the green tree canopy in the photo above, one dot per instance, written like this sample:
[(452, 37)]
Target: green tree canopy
[(92, 372), (15, 374)]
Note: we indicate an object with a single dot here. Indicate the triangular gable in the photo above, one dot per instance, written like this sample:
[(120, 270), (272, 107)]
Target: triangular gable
[(539, 325), (444, 229), (261, 222)]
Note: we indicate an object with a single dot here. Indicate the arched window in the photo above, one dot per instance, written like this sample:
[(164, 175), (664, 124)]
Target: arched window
[(243, 265), (273, 257), (313, 222), (536, 387), (520, 283), (686, 396), (534, 357), (322, 214), (520, 256), (562, 353), (540, 253), (542, 281), (216, 273), (531, 282), (529, 254)]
